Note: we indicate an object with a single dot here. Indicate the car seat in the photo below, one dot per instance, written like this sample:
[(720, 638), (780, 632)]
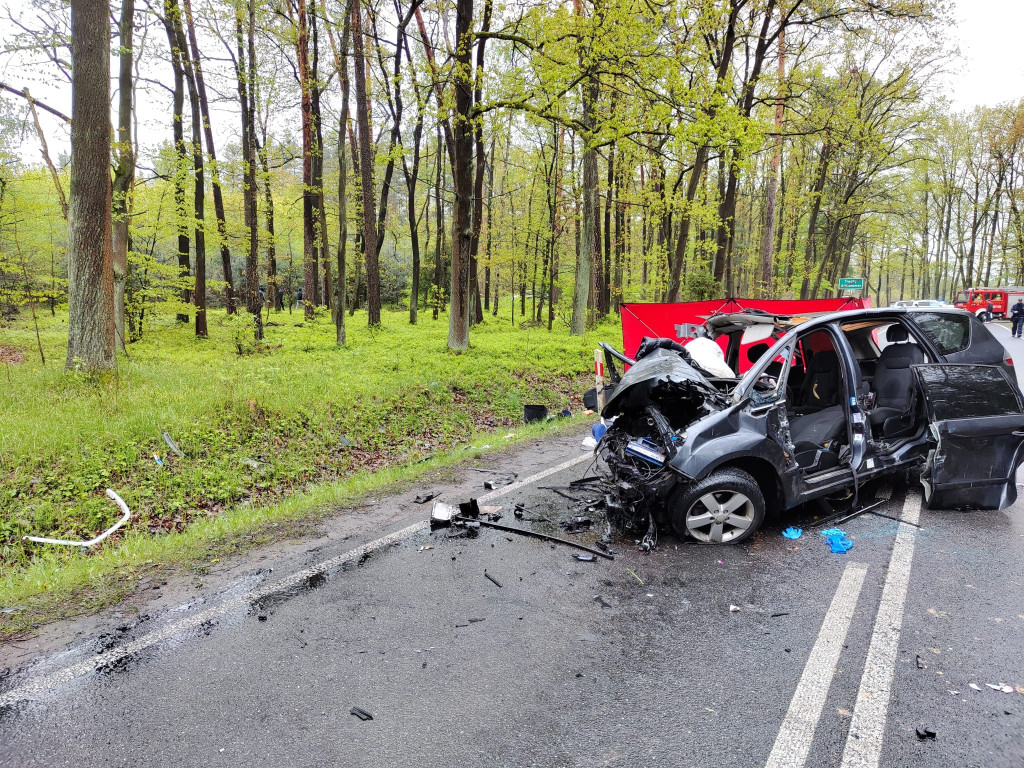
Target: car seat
[(895, 390), (820, 387)]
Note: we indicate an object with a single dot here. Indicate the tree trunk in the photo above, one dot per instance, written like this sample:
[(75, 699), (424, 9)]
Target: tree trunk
[(180, 150), (366, 170), (211, 153), (589, 246), (199, 184), (245, 34), (768, 240), (341, 61), (124, 166), (462, 178), (812, 224), (90, 254)]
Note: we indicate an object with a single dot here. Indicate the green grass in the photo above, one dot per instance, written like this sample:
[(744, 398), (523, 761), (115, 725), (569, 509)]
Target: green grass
[(324, 424)]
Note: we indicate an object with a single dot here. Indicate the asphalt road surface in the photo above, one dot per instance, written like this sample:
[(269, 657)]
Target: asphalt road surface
[(770, 653)]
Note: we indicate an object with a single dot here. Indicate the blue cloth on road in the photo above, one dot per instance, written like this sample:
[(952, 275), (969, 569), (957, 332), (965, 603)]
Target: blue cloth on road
[(837, 541)]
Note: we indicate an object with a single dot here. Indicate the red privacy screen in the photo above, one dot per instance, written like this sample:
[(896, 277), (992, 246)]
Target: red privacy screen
[(664, 320)]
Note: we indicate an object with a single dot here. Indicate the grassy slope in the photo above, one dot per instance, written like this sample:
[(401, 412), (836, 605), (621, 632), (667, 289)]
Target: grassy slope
[(322, 421)]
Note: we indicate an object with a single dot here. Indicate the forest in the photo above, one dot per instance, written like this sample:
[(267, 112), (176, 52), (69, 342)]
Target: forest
[(540, 163), (318, 246)]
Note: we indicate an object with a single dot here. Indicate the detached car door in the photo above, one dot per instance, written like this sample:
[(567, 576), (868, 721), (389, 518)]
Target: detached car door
[(977, 422)]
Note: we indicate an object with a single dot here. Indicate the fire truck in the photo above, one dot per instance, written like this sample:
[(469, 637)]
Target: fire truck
[(976, 300)]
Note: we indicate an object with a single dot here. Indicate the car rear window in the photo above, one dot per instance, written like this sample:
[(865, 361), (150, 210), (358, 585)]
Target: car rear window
[(967, 391), (951, 333)]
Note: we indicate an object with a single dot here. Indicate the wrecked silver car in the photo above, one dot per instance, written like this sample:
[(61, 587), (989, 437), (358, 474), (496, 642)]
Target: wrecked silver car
[(828, 404)]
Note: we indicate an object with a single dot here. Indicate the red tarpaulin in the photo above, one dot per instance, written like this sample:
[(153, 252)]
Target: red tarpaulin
[(666, 320)]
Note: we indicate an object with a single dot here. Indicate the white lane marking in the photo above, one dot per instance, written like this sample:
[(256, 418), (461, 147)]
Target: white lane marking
[(867, 729), (797, 731), (33, 689)]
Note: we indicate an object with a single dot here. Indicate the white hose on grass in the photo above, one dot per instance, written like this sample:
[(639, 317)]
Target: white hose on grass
[(92, 542)]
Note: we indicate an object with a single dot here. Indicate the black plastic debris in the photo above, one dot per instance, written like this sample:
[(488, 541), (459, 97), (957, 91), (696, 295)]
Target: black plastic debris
[(533, 413), (469, 508), (601, 601), (584, 558), (926, 733), (777, 615), (577, 523), (423, 498), (361, 713), (491, 579), (920, 663)]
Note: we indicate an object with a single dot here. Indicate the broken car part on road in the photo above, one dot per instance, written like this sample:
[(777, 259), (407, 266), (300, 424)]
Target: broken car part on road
[(469, 515)]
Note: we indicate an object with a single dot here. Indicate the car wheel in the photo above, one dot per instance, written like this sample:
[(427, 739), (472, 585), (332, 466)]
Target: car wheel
[(726, 507)]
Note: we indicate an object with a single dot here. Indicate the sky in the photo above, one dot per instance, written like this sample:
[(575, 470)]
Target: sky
[(992, 68)]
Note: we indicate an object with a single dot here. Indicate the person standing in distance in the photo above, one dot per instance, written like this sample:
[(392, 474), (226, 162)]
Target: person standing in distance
[(1017, 317)]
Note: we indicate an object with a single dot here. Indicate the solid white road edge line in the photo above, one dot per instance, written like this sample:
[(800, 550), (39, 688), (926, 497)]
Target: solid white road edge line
[(867, 729), (797, 731), (35, 688)]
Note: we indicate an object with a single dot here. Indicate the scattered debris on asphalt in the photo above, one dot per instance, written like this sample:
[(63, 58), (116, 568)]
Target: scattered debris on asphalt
[(975, 686), (441, 515), (793, 533), (577, 523), (837, 541), (601, 601), (777, 615), (734, 609), (361, 713), (925, 733), (423, 498), (1000, 687), (491, 579), (584, 558), (920, 663)]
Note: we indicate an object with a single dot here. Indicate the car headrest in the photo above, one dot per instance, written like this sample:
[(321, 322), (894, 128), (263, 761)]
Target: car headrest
[(757, 351), (896, 333)]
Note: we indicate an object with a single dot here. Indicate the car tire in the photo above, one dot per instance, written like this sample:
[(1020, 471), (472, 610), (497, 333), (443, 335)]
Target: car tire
[(726, 507)]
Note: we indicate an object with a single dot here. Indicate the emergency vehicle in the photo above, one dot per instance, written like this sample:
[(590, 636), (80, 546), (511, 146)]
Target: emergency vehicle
[(976, 300)]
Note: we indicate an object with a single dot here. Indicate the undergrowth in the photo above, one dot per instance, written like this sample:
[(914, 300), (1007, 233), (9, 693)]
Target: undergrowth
[(287, 416)]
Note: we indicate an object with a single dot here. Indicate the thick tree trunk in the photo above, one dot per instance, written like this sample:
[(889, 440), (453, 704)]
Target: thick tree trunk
[(768, 239), (589, 246), (124, 166), (462, 178), (812, 224), (90, 256), (366, 170)]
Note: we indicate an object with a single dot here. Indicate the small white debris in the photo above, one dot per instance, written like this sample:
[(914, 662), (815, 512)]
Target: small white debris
[(975, 686), (734, 609)]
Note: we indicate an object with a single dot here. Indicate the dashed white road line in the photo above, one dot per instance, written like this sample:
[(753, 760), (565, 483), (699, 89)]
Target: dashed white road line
[(35, 688), (867, 730), (797, 732)]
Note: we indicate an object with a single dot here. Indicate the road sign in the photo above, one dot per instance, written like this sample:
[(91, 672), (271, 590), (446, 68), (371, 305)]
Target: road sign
[(851, 283)]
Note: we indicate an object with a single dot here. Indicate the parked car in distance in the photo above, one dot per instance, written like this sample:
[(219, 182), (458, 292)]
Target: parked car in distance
[(911, 303), (833, 402)]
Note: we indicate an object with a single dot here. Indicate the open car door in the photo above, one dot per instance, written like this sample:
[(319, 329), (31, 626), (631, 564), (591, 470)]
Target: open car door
[(977, 421)]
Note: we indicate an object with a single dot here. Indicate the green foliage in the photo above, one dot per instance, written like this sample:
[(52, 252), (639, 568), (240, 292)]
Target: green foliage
[(255, 429)]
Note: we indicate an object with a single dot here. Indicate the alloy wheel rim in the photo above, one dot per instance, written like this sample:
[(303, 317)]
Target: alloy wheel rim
[(720, 516)]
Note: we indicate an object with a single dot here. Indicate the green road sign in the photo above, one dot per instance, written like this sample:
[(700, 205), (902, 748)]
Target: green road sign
[(851, 283)]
